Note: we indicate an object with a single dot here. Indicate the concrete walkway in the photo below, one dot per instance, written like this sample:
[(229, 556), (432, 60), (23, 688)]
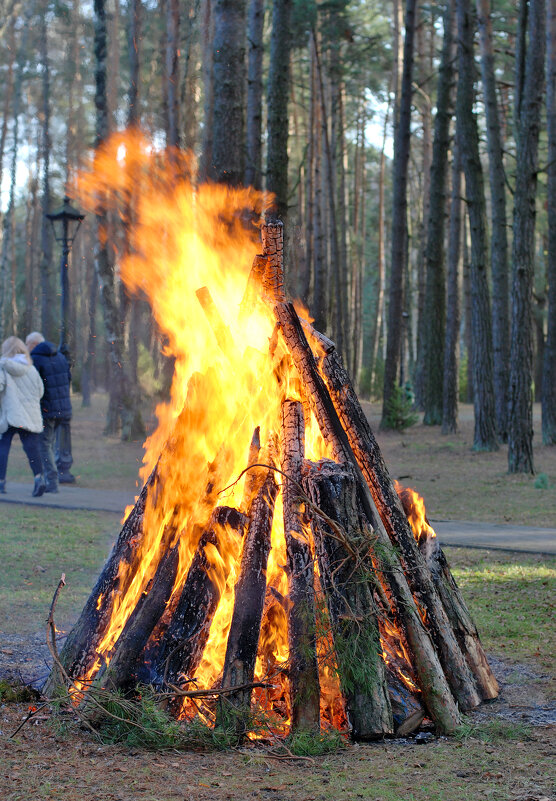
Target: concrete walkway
[(527, 539)]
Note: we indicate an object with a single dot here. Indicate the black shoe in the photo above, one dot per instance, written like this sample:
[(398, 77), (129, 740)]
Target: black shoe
[(51, 488), (66, 478), (39, 487), (3, 487)]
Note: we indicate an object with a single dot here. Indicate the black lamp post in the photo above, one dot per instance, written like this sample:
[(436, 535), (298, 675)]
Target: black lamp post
[(65, 222)]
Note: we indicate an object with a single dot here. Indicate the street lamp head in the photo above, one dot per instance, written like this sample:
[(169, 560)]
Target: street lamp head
[(65, 222)]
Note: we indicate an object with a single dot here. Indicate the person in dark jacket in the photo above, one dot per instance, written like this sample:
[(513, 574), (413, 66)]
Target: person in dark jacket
[(54, 369)]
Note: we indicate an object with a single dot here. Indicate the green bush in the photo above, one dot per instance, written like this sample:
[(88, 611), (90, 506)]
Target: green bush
[(399, 413)]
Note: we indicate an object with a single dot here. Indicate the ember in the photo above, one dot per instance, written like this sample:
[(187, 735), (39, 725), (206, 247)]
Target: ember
[(299, 587)]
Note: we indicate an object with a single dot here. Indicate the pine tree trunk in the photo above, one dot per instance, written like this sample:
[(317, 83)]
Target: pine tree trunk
[(549, 365), (468, 138), (277, 106), (450, 391), (499, 239), (172, 72), (253, 161), (399, 218), (435, 297), (520, 424), (228, 64)]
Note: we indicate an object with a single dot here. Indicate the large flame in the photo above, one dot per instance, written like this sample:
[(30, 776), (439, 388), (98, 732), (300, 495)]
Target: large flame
[(189, 251)]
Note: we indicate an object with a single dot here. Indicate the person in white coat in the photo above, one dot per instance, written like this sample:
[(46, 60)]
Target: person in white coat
[(21, 390)]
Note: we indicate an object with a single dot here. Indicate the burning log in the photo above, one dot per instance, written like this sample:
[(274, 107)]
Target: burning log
[(79, 650), (178, 650), (436, 691), (122, 671), (373, 467), (344, 567), (250, 591), (451, 597), (303, 666)]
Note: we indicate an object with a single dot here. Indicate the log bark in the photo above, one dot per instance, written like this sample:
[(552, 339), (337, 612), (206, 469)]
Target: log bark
[(250, 591), (178, 652), (344, 576), (435, 688), (121, 672), (79, 651), (303, 666), (373, 467), (460, 619)]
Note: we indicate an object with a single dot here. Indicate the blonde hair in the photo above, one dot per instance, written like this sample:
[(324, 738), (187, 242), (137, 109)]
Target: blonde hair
[(14, 345)]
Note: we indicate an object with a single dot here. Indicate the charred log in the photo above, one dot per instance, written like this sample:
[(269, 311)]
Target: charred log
[(79, 651), (434, 685), (454, 605), (250, 591), (303, 666), (178, 652), (372, 465)]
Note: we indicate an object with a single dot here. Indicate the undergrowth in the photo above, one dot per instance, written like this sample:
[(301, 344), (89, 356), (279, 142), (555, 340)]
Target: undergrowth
[(315, 743)]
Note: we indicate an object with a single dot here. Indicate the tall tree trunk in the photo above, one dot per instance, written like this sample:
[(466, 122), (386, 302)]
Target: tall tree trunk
[(468, 138), (380, 257), (123, 405), (499, 240), (399, 218), (520, 418), (277, 106), (330, 200), (7, 222), (207, 32), (253, 165), (549, 363), (228, 57), (172, 72), (319, 278), (451, 350), (47, 322), (435, 297)]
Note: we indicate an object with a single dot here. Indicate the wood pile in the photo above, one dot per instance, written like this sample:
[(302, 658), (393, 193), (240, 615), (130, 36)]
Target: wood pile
[(401, 639)]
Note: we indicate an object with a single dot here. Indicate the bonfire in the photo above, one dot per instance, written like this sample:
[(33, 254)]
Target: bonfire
[(269, 563)]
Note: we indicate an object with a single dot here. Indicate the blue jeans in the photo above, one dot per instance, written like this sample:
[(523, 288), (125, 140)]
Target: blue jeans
[(55, 447), (31, 446)]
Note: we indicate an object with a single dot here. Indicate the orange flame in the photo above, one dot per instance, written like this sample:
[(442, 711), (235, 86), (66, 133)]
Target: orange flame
[(414, 508)]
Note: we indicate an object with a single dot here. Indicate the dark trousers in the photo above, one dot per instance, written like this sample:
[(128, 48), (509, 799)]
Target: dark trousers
[(55, 446), (31, 446)]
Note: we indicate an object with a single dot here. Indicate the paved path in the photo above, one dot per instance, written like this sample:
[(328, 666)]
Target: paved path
[(450, 532)]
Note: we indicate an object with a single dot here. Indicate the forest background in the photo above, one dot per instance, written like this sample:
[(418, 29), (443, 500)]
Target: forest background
[(411, 148)]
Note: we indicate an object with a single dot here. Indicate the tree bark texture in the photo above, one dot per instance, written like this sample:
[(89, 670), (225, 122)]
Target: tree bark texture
[(520, 423), (402, 141), (253, 160), (345, 576), (499, 239), (434, 330), (450, 388), (468, 139), (549, 365), (303, 667), (277, 106), (229, 86)]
